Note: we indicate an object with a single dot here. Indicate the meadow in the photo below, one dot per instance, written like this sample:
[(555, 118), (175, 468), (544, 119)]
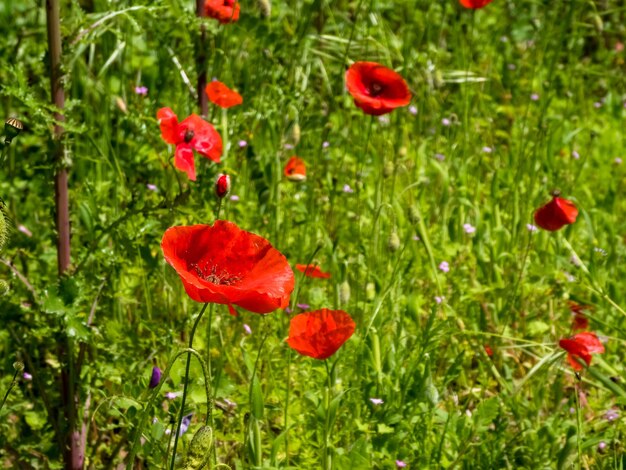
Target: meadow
[(434, 281)]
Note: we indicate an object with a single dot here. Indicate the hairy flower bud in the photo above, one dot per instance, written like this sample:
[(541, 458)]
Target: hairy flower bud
[(222, 185), (344, 292), (393, 243), (155, 378), (388, 169), (199, 449)]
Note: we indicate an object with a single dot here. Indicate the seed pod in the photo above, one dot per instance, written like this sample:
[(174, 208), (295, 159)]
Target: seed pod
[(344, 292), (413, 215), (295, 133), (393, 242), (199, 450), (12, 127), (388, 169), (266, 8)]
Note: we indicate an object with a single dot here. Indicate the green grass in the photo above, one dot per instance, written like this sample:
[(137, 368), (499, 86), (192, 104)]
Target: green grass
[(446, 403)]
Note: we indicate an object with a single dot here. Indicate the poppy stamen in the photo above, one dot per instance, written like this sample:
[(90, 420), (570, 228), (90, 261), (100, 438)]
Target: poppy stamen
[(223, 278), (376, 89), (188, 135)]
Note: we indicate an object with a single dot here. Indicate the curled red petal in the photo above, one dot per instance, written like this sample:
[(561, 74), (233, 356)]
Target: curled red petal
[(319, 334), (295, 169), (168, 122), (312, 270), (225, 11), (581, 345), (222, 96), (183, 160), (223, 264), (474, 4)]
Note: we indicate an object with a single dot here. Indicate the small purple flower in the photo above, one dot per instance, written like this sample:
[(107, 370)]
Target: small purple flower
[(445, 122), (141, 90), (184, 425), (303, 306), (531, 228), (601, 446), (347, 189), (438, 299), (247, 329), (511, 66), (575, 155), (384, 120), (171, 395), (597, 104), (24, 230), (487, 149), (469, 228), (440, 156), (168, 431), (325, 144), (377, 401), (155, 378), (288, 146), (618, 161), (416, 238), (400, 464), (234, 197), (444, 266), (27, 376), (243, 143), (611, 415), (534, 97), (288, 310), (572, 410), (413, 110), (152, 187)]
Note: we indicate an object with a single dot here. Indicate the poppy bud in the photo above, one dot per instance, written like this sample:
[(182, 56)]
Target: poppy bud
[(413, 215), (222, 185), (18, 366), (266, 8), (12, 127), (295, 133), (556, 214), (344, 292), (393, 243), (370, 291), (388, 169), (155, 378), (199, 449)]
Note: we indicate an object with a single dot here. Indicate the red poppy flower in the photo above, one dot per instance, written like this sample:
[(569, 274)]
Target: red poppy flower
[(555, 214), (376, 89), (321, 333), (312, 270), (581, 345), (475, 4), (225, 11), (295, 169), (222, 96), (194, 133), (223, 264)]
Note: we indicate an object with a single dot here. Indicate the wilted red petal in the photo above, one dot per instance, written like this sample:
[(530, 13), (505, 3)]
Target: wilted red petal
[(319, 334), (223, 264), (202, 137), (376, 89), (556, 214), (581, 345), (222, 96), (168, 122), (475, 3), (312, 270), (225, 11), (295, 169), (183, 160)]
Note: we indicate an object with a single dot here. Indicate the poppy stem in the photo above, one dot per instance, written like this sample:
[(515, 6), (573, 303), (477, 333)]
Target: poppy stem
[(186, 382), (224, 133), (327, 462), (201, 62)]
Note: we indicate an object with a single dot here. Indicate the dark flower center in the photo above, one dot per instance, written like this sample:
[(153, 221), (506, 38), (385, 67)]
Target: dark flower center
[(211, 274), (375, 89), (188, 135)]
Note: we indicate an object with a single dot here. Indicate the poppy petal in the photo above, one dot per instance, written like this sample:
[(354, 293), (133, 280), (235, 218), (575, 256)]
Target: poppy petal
[(474, 4), (375, 88), (311, 270), (183, 160), (222, 96), (168, 122), (295, 169), (225, 11), (319, 334), (204, 138), (556, 214)]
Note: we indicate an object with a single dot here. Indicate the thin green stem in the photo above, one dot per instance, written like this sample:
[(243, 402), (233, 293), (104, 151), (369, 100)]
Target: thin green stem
[(6, 395), (186, 383), (327, 462)]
